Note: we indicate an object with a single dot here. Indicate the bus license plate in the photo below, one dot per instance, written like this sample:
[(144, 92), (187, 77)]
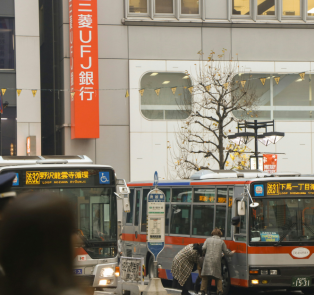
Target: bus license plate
[(301, 282), (78, 271)]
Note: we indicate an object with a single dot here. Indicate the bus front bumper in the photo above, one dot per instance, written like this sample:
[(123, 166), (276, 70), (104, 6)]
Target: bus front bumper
[(285, 277)]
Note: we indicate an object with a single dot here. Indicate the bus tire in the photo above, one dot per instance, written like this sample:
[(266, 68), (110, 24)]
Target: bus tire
[(151, 267), (225, 277)]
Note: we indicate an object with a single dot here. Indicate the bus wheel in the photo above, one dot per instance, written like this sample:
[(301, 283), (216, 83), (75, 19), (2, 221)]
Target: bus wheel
[(151, 267), (225, 277)]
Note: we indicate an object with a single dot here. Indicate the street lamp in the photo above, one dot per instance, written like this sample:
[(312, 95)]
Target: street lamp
[(266, 138)]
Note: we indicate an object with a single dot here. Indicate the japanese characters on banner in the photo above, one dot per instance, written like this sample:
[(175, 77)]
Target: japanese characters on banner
[(84, 69), (270, 163)]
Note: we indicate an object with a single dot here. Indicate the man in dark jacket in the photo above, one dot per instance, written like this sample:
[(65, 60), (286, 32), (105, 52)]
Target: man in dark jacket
[(214, 246)]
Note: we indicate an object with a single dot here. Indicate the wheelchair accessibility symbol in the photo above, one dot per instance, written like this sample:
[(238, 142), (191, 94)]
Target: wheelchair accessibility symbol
[(104, 178)]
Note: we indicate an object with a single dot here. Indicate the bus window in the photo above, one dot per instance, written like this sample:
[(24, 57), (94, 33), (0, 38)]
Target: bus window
[(180, 219), (204, 195), (203, 220), (230, 198), (137, 207), (183, 195), (221, 219), (144, 210), (101, 220), (129, 216), (84, 219), (166, 191), (167, 218), (222, 195)]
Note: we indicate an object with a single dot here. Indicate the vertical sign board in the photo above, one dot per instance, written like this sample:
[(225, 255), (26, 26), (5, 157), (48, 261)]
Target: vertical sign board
[(84, 69), (270, 163), (155, 222), (31, 146)]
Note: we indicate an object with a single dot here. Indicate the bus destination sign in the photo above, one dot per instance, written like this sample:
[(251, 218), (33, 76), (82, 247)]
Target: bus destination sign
[(63, 177), (290, 188), (60, 177)]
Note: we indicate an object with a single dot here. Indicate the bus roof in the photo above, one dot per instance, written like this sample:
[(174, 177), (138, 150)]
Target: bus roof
[(54, 159), (225, 177)]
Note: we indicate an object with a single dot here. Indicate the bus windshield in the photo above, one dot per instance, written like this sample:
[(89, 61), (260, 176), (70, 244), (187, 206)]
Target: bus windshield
[(95, 210), (282, 220)]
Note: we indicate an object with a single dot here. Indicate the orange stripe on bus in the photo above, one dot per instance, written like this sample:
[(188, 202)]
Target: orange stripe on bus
[(221, 183), (239, 282), (162, 274), (140, 184), (184, 241), (79, 251)]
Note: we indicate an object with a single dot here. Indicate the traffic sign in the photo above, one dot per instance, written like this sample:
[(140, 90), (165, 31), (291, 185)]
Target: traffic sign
[(155, 179), (155, 222)]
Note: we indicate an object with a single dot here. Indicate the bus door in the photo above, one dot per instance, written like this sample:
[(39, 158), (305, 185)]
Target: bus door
[(137, 225), (100, 212), (239, 269), (128, 228)]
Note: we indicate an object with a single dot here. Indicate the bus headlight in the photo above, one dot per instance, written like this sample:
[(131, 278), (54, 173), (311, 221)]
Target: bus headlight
[(104, 282), (273, 272), (107, 272)]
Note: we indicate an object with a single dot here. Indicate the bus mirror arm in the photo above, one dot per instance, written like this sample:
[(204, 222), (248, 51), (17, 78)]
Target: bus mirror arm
[(253, 204)]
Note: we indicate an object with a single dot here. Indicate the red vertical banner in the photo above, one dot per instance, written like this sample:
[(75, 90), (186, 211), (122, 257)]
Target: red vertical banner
[(84, 69), (270, 163)]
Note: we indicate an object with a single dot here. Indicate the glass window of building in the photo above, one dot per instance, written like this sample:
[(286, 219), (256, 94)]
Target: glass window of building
[(190, 6), (282, 97), (265, 7), (164, 6), (173, 101), (310, 7), (6, 43), (138, 6), (241, 7), (259, 85), (291, 7)]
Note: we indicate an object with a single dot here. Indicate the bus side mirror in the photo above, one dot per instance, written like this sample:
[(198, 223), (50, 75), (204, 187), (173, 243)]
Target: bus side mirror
[(124, 192), (126, 204), (241, 208)]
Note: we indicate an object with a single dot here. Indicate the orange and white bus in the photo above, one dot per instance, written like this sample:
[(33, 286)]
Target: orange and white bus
[(92, 190), (274, 239)]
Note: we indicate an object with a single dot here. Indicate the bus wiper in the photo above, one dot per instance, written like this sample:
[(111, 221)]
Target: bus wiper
[(288, 229)]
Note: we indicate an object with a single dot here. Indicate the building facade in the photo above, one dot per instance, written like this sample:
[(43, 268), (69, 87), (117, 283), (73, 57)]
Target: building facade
[(141, 45)]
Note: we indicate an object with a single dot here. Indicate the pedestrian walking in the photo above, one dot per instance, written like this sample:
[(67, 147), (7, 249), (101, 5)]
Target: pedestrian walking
[(182, 266), (37, 237), (214, 248)]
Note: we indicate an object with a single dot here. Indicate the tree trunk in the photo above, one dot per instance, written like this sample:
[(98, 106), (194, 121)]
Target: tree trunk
[(221, 146)]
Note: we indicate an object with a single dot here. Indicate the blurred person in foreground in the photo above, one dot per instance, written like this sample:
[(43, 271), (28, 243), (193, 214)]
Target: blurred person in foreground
[(6, 195), (37, 237), (213, 246)]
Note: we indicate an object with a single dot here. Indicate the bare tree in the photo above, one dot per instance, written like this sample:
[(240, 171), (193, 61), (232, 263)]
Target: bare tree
[(216, 94)]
